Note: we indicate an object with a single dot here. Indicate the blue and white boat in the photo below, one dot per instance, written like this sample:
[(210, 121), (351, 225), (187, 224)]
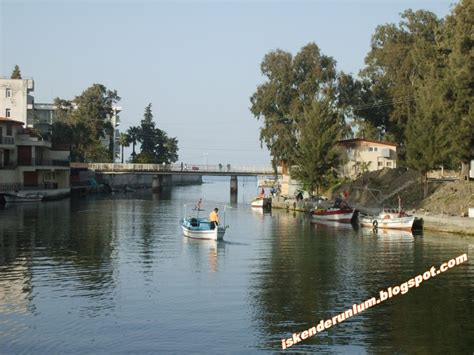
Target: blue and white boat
[(200, 227)]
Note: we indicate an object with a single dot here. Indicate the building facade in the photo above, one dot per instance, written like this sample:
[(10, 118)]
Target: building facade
[(367, 155), (29, 162), (16, 101)]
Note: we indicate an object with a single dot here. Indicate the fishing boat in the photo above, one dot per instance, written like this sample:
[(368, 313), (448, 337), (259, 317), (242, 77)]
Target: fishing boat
[(261, 202), (21, 197), (336, 214), (201, 227), (340, 212), (388, 219), (323, 224)]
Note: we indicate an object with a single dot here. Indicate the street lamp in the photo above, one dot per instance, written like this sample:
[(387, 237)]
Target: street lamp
[(115, 123)]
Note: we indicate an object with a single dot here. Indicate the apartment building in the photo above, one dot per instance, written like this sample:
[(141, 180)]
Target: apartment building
[(367, 155), (16, 100), (27, 161)]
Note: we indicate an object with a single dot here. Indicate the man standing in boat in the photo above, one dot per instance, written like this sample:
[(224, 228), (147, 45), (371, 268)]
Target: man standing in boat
[(214, 218)]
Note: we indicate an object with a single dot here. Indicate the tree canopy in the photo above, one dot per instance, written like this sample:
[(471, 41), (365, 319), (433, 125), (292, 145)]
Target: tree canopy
[(318, 154), (415, 90), (16, 74), (156, 147), (292, 86), (84, 122)]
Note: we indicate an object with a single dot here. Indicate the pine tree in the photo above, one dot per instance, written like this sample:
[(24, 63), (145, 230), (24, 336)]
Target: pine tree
[(148, 136), (16, 74), (317, 153)]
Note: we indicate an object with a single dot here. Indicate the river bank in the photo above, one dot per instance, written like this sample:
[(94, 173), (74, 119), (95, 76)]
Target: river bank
[(445, 208)]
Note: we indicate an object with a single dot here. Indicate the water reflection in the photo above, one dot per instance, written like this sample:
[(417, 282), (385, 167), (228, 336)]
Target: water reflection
[(205, 254), (115, 274), (311, 274)]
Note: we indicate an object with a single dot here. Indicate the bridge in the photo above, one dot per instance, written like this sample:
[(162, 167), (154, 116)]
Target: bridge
[(160, 170)]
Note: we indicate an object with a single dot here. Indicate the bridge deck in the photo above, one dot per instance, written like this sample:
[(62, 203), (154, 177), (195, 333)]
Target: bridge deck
[(175, 169)]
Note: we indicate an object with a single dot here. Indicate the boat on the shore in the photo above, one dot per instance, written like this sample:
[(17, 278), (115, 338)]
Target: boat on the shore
[(21, 197), (388, 219)]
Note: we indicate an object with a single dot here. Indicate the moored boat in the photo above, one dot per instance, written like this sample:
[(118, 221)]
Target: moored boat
[(336, 214), (389, 219), (21, 197), (261, 202)]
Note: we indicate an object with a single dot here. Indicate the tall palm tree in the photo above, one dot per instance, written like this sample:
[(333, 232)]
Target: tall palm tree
[(134, 137), (124, 141)]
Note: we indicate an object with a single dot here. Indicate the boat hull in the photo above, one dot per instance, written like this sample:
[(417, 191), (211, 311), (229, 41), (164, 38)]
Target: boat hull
[(261, 202), (400, 223), (333, 214), (201, 229), (16, 197)]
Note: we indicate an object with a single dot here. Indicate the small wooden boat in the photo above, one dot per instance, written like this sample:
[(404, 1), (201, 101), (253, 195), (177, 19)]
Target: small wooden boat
[(200, 227), (389, 219), (337, 214), (21, 197), (322, 224)]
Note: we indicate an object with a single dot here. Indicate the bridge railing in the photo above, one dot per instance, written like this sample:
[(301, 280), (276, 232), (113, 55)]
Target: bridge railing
[(178, 168)]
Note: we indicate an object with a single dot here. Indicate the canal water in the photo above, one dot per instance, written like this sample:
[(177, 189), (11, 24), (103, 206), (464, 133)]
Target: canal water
[(113, 274)]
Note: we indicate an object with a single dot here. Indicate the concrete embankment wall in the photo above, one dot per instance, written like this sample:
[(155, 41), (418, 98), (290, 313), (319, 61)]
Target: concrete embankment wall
[(145, 180), (292, 204), (450, 224)]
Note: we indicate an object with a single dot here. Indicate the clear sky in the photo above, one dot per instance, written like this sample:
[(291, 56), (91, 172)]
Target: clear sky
[(197, 62)]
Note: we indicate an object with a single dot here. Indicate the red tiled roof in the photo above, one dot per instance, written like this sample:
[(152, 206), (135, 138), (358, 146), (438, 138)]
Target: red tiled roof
[(6, 119), (355, 140)]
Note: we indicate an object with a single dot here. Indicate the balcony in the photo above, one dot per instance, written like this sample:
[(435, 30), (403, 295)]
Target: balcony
[(7, 140), (9, 165), (44, 162)]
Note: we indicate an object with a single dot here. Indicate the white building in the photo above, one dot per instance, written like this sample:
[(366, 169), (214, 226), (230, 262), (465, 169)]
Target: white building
[(16, 101), (367, 155)]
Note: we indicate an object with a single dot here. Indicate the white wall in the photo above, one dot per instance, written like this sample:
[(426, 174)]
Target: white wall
[(18, 102)]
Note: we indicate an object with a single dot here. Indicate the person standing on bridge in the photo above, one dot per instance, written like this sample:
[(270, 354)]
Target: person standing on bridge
[(214, 218)]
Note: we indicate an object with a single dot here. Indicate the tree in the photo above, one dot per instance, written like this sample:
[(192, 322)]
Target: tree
[(427, 143), (291, 87), (156, 147), (133, 134), (124, 141), (394, 68), (148, 134), (318, 154), (88, 117), (16, 74), (456, 45)]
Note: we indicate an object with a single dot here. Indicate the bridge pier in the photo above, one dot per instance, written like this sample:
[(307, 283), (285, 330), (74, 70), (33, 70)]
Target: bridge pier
[(233, 184), (157, 183)]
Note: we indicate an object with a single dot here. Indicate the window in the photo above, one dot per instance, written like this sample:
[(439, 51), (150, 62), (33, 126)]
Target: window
[(389, 163), (376, 149), (371, 149), (8, 93), (7, 113), (380, 163), (9, 129)]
